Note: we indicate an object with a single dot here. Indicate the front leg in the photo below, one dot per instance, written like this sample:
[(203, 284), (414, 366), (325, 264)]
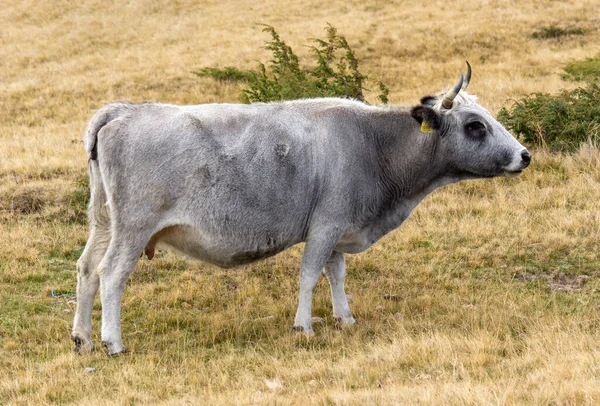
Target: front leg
[(318, 249)]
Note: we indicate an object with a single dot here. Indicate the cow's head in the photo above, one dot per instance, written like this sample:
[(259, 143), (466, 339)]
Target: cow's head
[(472, 142)]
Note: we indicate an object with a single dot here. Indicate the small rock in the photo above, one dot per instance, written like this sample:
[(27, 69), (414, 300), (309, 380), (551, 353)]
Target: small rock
[(318, 320), (273, 384), (66, 310), (313, 382), (266, 318), (350, 298), (398, 316), (90, 370), (380, 308)]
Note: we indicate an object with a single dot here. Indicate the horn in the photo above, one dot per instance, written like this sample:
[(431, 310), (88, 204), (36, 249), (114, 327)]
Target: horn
[(467, 78), (449, 97)]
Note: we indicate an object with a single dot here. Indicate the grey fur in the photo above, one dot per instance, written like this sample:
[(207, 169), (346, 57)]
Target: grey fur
[(231, 184)]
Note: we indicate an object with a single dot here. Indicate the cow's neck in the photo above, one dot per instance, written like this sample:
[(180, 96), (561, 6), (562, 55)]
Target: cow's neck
[(410, 161), (410, 167)]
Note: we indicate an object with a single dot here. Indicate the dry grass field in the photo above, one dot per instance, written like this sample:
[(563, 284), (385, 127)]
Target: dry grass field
[(488, 294)]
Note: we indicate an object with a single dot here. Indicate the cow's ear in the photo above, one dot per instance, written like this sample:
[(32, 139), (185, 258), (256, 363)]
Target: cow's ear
[(428, 118), (428, 101)]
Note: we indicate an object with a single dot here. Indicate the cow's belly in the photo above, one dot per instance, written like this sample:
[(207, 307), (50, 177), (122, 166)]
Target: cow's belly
[(217, 250), (353, 243)]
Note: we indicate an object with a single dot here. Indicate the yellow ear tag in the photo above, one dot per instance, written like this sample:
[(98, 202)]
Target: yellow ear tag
[(425, 128)]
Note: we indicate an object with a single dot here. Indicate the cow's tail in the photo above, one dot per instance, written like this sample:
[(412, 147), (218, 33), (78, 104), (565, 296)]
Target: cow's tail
[(98, 211), (102, 117)]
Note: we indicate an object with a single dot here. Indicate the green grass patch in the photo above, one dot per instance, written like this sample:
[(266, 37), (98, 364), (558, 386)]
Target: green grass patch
[(78, 201), (64, 253), (588, 69)]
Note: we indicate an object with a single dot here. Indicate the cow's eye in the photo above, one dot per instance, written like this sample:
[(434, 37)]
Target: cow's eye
[(475, 125), (476, 128)]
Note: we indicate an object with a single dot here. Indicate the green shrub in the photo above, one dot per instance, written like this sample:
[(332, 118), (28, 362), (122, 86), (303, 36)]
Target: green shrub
[(560, 122), (335, 72), (588, 69)]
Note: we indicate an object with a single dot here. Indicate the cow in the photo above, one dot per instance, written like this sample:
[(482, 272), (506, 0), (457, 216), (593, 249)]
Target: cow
[(230, 184)]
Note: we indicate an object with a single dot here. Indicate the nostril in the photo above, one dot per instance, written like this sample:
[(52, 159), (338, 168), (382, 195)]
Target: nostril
[(526, 157)]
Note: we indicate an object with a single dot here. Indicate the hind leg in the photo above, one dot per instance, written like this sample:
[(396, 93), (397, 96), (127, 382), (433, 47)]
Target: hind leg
[(87, 286), (87, 265), (116, 266)]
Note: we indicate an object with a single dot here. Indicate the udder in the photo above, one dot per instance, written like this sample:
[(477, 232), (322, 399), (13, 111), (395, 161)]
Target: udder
[(151, 246)]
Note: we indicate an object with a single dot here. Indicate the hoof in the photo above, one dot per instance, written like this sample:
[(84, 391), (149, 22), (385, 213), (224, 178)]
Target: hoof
[(113, 349), (82, 345), (344, 322), (306, 332)]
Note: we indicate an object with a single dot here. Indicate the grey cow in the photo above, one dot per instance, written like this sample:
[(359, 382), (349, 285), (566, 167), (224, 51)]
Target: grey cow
[(231, 184)]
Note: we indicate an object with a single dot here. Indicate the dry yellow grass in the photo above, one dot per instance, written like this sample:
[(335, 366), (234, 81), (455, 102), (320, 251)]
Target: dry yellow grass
[(492, 286)]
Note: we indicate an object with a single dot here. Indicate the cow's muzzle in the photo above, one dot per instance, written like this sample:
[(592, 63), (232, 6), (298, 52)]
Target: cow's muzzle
[(521, 162)]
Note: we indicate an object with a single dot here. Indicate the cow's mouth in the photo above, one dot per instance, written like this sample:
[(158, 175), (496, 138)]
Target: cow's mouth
[(511, 174)]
